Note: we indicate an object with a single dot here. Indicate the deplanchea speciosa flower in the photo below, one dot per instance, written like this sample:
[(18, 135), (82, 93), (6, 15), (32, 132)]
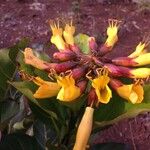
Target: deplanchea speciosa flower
[(131, 92), (71, 69), (73, 73)]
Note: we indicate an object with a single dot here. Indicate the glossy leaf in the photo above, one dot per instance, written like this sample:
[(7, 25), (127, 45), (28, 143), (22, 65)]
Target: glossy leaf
[(82, 41), (19, 141), (118, 109)]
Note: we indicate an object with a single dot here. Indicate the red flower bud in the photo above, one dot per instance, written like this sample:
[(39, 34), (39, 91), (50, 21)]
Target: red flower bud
[(92, 97), (104, 49), (75, 48), (118, 70), (82, 85), (114, 83), (64, 56), (124, 61), (62, 67), (79, 72), (92, 44)]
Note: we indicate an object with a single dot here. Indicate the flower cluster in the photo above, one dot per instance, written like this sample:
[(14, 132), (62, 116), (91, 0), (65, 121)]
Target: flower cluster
[(72, 69)]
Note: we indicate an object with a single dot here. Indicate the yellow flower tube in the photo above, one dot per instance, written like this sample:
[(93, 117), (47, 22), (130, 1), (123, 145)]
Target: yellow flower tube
[(46, 89), (34, 61), (102, 90), (84, 129), (57, 36), (142, 59), (112, 31), (140, 49), (131, 92), (69, 91), (68, 33)]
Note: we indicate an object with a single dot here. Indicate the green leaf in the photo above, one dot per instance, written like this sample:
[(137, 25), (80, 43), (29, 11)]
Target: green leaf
[(82, 41), (47, 110), (8, 109), (109, 146), (118, 109), (18, 141)]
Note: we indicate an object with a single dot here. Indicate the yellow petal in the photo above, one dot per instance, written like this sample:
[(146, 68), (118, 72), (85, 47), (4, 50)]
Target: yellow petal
[(112, 31), (140, 73), (143, 59), (30, 59), (102, 90), (47, 89), (57, 36), (58, 41), (132, 92), (68, 34), (69, 90), (139, 50)]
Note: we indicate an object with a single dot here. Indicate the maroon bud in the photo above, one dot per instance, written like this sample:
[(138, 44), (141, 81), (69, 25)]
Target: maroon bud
[(79, 72), (82, 85), (104, 49), (92, 97), (62, 67), (92, 44), (64, 56), (124, 61), (114, 83), (117, 70), (75, 49), (97, 62)]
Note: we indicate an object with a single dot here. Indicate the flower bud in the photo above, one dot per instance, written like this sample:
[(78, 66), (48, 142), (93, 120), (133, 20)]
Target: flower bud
[(82, 85), (79, 72), (124, 61), (92, 44), (64, 56), (75, 49), (62, 67), (84, 129), (92, 97), (104, 49), (117, 70)]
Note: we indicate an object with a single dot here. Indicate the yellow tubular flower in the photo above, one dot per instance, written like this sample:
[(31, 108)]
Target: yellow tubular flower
[(102, 90), (84, 129), (47, 89), (30, 59), (69, 90), (112, 31), (132, 92), (139, 50), (57, 36), (142, 59), (140, 73), (68, 34)]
